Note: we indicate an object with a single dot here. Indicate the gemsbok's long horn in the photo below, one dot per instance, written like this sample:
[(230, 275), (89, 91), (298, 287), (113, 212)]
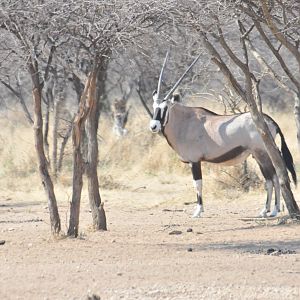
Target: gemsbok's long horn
[(161, 75), (181, 78)]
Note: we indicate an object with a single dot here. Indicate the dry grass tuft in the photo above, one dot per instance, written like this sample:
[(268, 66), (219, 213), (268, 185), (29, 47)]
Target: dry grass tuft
[(17, 155), (109, 183)]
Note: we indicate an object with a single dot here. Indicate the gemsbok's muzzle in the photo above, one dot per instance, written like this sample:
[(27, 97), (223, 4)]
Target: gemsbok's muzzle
[(155, 126)]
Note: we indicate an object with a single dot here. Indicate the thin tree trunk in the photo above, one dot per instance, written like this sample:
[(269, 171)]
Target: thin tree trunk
[(297, 116), (48, 101), (87, 112), (20, 98), (46, 131), (63, 146), (78, 170), (25, 109), (245, 184), (144, 102), (42, 161), (78, 163), (23, 104), (98, 213), (59, 98), (56, 110)]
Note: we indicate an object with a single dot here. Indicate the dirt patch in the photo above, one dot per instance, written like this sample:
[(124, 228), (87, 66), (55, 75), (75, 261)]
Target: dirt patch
[(273, 251), (218, 256)]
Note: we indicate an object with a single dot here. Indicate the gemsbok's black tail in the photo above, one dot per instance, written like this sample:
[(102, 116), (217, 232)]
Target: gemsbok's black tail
[(287, 156)]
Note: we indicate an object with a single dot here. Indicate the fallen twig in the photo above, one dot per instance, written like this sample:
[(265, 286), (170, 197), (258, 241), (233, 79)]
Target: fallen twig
[(22, 221)]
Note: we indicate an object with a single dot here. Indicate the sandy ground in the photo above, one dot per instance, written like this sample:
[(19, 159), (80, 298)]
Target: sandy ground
[(152, 250)]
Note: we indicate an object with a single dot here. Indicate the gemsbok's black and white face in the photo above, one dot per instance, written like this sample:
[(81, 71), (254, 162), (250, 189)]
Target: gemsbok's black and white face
[(161, 104), (159, 114)]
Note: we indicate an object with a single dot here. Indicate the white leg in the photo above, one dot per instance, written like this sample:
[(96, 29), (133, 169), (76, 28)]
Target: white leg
[(274, 212), (276, 209), (269, 186), (197, 212), (199, 207), (263, 213), (267, 208)]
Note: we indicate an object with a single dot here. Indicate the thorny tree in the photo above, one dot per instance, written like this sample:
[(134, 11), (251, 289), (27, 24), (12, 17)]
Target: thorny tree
[(26, 25), (213, 22), (104, 31), (277, 23), (79, 36)]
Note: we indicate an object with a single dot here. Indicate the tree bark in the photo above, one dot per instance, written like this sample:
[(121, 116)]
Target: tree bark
[(48, 101), (144, 103), (88, 115), (56, 109), (297, 116), (59, 98), (42, 161), (78, 162), (46, 131), (98, 213), (63, 146), (78, 170)]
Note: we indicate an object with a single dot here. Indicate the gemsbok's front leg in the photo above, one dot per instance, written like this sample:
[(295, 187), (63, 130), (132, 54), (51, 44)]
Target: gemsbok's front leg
[(197, 181)]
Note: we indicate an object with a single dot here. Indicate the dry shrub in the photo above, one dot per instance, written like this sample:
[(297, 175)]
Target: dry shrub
[(17, 153), (107, 182), (238, 177)]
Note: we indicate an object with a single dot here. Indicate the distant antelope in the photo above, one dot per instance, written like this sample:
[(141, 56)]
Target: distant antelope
[(120, 112), (120, 116), (197, 134)]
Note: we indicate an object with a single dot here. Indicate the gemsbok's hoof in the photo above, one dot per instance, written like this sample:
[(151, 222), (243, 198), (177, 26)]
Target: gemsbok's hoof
[(274, 212), (194, 216), (263, 213), (197, 213)]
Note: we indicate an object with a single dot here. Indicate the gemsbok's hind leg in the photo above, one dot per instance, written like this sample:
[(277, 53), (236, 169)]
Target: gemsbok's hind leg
[(197, 182), (267, 207), (269, 173), (276, 184)]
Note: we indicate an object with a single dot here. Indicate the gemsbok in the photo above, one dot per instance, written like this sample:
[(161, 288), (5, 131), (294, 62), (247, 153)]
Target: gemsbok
[(197, 134)]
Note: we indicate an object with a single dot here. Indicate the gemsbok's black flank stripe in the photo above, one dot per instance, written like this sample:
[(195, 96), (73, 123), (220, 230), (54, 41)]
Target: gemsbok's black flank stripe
[(230, 155)]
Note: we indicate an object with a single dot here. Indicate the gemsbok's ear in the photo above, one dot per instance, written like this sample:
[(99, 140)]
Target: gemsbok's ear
[(155, 95)]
